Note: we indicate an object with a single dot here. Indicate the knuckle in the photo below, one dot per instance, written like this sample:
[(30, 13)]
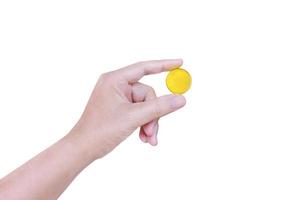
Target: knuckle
[(140, 63), (163, 67), (131, 121), (156, 110), (106, 77), (151, 91)]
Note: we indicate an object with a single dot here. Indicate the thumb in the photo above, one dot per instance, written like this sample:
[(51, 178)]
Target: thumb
[(147, 111)]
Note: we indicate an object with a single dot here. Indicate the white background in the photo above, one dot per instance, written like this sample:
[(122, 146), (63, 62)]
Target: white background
[(238, 136)]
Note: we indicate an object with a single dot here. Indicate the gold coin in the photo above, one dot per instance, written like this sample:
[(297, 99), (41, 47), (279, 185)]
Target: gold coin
[(178, 81)]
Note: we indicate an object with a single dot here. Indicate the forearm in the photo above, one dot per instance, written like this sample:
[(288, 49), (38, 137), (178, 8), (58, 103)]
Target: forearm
[(48, 174)]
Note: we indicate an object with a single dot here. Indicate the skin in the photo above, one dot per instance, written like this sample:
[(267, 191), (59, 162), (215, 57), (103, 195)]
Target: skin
[(119, 99)]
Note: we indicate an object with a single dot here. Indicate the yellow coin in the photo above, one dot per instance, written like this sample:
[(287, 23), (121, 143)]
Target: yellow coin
[(178, 81)]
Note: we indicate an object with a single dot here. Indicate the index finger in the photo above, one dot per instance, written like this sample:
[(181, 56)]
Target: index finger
[(133, 73)]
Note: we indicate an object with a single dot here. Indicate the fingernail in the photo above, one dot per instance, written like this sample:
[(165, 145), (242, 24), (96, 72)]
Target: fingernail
[(154, 130), (178, 101), (153, 141)]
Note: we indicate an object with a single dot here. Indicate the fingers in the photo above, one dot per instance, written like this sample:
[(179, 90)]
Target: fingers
[(153, 138), (149, 128), (147, 111), (150, 139), (143, 135), (134, 72), (140, 93)]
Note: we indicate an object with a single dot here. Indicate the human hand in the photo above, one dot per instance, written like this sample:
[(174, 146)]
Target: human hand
[(120, 104)]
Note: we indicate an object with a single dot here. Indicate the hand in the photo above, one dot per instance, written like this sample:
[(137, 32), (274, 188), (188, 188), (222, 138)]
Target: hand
[(120, 104)]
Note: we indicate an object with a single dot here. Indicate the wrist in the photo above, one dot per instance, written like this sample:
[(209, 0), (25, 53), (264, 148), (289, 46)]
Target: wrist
[(80, 144)]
